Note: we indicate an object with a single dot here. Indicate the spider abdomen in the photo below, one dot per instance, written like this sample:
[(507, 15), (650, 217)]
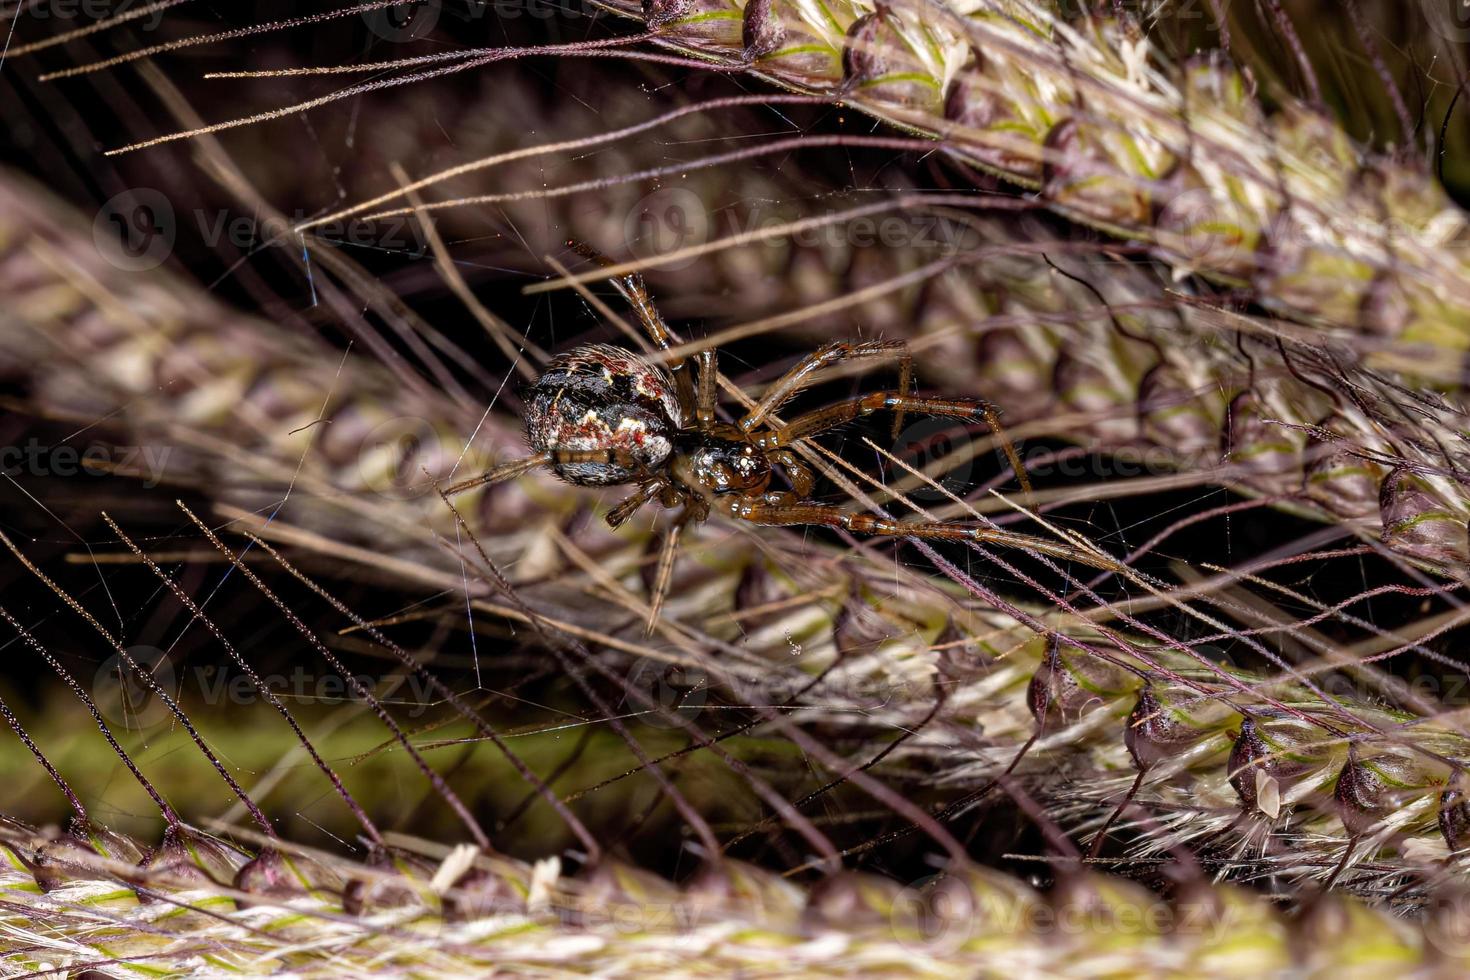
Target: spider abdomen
[(596, 399)]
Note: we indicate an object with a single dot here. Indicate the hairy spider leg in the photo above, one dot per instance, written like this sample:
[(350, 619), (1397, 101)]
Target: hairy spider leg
[(802, 373), (633, 289), (519, 467), (669, 496), (663, 574), (822, 419), (669, 540), (629, 505), (709, 376), (774, 511), (797, 472), (499, 474)]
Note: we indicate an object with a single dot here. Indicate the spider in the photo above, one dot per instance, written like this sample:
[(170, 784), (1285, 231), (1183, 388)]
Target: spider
[(602, 416)]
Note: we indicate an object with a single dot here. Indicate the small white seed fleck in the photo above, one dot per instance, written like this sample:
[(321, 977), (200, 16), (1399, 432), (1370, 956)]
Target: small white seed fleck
[(1268, 794)]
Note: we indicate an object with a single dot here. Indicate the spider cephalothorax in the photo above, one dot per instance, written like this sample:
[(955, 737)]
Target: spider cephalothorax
[(603, 416)]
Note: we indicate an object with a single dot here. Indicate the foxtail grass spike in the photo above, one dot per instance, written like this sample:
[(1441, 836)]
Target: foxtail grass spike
[(464, 915), (1177, 156)]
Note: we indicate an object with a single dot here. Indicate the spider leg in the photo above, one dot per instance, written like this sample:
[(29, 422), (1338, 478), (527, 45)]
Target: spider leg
[(709, 377), (776, 510), (789, 384), (499, 474), (796, 471), (633, 289), (519, 467), (664, 571), (630, 504), (969, 409)]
